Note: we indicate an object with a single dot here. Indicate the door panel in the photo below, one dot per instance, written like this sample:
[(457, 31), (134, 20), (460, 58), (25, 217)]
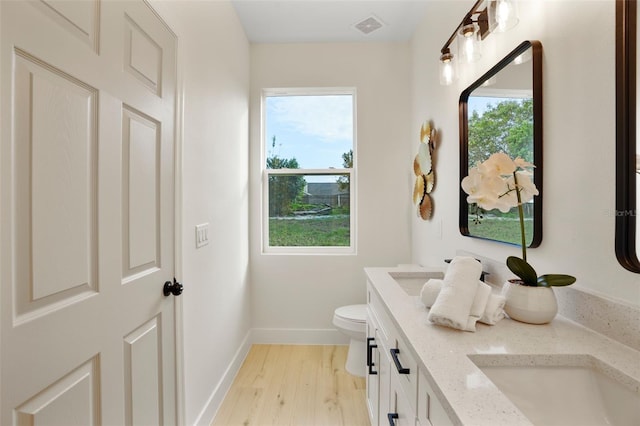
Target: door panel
[(55, 120), (72, 400), (143, 56), (80, 18), (143, 371), (140, 193), (87, 102)]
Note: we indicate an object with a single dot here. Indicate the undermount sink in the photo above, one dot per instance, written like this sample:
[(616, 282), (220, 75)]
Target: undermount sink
[(413, 281), (564, 390)]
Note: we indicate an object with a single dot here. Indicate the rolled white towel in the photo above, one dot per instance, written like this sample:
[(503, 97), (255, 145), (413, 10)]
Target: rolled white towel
[(453, 304), (494, 311), (430, 291), (480, 300), (471, 323), (479, 305)]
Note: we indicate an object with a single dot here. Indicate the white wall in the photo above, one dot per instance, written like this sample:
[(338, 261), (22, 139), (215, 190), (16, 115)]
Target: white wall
[(579, 139), (293, 292), (214, 65)]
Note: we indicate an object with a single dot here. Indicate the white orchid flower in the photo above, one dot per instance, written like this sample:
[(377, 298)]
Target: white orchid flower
[(526, 187), (498, 164), (492, 184), (520, 163)]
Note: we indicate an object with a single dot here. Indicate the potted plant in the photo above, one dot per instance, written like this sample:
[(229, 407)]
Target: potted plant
[(502, 183)]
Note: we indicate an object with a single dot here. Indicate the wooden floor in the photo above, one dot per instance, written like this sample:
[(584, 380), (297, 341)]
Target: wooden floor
[(280, 385)]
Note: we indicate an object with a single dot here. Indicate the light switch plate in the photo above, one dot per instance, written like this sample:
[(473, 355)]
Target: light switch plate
[(202, 235)]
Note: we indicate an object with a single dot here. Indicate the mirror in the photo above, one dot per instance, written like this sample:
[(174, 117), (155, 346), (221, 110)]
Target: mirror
[(627, 239), (502, 111)]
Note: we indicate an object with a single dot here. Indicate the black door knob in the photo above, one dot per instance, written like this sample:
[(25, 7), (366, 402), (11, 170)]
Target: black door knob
[(174, 288)]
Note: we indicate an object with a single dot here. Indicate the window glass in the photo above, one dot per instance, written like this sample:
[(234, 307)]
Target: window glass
[(314, 129), (309, 173)]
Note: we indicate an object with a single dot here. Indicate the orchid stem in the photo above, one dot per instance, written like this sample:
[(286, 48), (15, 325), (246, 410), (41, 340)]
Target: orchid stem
[(521, 214)]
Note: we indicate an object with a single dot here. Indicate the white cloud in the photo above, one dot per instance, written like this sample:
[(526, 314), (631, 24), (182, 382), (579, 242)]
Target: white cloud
[(329, 118)]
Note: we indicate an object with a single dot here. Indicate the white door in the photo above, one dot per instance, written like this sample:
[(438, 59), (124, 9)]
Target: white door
[(87, 111)]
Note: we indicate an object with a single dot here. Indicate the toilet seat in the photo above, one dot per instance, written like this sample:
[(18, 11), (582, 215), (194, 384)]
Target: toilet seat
[(355, 313), (351, 318)]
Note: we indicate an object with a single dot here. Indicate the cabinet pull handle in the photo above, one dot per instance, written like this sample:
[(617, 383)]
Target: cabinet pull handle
[(391, 417), (396, 361), (370, 348)]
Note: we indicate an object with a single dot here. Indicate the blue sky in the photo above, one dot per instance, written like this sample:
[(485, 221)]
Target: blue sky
[(481, 103), (315, 130)]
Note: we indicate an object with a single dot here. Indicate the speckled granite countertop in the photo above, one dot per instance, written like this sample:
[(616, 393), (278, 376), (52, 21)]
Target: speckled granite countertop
[(468, 396)]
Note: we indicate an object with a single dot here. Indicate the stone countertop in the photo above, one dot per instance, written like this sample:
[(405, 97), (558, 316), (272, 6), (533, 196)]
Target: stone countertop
[(467, 395)]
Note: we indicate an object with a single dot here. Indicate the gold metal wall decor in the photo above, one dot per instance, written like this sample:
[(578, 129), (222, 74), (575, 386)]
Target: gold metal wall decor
[(424, 170)]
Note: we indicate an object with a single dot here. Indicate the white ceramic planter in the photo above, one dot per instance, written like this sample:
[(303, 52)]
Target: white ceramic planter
[(532, 305)]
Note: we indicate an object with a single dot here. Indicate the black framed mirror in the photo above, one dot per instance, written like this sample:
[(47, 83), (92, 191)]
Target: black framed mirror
[(502, 111), (627, 239)]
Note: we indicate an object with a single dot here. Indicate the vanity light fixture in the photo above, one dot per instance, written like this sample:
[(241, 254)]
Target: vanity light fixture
[(447, 70), (484, 17), (469, 42)]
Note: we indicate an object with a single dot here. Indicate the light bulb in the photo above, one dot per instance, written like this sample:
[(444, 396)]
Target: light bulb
[(468, 48), (503, 15), (469, 43), (447, 73), (447, 70)]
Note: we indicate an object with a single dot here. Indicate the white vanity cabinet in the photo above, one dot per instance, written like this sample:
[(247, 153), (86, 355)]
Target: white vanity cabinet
[(392, 371), (398, 393)]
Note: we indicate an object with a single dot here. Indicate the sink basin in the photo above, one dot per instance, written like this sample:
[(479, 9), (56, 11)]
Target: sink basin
[(412, 281), (564, 390)]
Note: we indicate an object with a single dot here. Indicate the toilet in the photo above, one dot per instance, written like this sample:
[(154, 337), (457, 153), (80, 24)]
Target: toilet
[(352, 321)]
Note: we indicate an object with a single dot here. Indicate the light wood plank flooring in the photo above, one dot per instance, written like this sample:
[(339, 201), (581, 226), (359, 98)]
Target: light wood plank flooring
[(280, 385)]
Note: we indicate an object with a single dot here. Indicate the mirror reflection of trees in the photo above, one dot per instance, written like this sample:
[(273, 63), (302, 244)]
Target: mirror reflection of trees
[(505, 125)]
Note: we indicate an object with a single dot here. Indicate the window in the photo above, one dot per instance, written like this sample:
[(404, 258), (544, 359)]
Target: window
[(308, 170)]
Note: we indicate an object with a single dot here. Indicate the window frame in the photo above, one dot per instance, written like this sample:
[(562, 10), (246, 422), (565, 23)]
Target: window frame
[(265, 173)]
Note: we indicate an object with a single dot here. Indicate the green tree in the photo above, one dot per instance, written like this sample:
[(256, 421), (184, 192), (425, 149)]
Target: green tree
[(506, 126), (283, 190), (347, 163)]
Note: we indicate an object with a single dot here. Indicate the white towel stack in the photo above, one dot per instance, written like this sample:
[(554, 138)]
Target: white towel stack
[(461, 299), (459, 286)]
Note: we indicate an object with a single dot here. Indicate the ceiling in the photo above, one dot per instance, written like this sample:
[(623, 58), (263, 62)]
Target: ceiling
[(319, 21)]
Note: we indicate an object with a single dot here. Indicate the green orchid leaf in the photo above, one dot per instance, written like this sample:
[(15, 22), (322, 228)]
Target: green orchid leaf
[(555, 280), (523, 270)]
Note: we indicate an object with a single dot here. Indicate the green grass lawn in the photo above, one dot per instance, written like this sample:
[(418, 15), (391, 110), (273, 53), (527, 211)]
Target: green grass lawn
[(501, 229), (333, 231), (321, 231)]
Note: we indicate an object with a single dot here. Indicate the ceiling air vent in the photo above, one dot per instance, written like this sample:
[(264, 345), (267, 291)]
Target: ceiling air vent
[(368, 25)]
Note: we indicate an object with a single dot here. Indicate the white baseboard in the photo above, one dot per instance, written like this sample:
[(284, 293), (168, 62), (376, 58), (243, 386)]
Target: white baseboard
[(214, 402), (298, 336), (274, 336)]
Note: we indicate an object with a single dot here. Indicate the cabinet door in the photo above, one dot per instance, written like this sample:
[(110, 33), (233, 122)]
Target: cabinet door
[(430, 411), (373, 378), (399, 406), (384, 377)]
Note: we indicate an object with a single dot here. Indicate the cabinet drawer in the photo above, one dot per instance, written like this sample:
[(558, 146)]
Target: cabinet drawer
[(401, 412), (405, 365)]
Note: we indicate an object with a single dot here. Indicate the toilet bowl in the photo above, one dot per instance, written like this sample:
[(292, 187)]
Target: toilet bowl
[(352, 321)]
